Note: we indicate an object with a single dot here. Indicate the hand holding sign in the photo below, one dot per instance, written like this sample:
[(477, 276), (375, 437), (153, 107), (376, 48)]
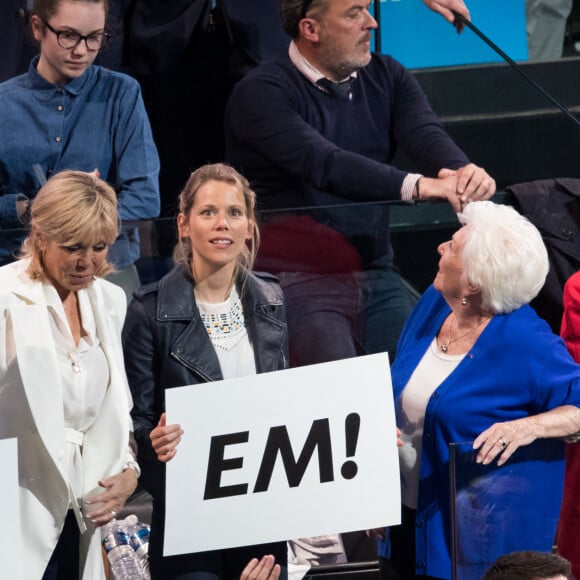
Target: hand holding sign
[(165, 439), (264, 569)]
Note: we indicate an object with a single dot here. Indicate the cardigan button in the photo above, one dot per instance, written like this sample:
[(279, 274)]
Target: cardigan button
[(419, 523), (435, 395), (566, 232)]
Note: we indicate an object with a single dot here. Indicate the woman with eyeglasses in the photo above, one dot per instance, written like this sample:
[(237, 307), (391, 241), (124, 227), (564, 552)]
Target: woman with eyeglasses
[(67, 113)]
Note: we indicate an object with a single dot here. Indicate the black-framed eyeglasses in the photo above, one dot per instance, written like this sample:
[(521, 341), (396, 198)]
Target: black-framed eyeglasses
[(70, 39), (305, 6)]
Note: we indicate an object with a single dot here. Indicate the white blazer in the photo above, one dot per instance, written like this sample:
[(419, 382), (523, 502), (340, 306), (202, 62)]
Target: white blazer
[(31, 409)]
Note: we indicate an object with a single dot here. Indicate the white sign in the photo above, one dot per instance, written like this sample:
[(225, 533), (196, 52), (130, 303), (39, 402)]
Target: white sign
[(11, 556), (294, 453)]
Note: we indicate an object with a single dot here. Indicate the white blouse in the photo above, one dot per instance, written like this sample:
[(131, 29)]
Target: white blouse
[(431, 371), (85, 377)]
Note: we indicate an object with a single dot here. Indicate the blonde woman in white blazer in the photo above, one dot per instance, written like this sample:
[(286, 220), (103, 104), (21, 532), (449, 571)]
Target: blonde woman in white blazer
[(63, 391)]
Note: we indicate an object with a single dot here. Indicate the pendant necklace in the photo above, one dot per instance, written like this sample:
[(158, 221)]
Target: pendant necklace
[(444, 346)]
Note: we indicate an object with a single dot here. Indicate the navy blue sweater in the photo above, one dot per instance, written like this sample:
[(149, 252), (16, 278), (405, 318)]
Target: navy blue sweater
[(299, 146)]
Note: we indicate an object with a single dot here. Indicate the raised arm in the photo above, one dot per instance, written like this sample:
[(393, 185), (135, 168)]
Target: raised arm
[(446, 9)]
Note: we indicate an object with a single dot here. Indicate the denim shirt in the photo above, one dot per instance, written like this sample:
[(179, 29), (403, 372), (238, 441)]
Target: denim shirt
[(96, 121)]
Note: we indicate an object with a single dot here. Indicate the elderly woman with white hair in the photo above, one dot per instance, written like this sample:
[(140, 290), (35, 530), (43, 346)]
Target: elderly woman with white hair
[(475, 363)]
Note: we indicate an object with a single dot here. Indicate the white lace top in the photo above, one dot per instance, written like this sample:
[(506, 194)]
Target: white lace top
[(226, 327)]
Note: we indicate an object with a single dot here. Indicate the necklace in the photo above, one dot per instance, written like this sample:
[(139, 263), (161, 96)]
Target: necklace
[(225, 324), (444, 346)]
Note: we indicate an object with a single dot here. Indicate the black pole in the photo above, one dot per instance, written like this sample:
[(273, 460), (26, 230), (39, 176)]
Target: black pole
[(377, 5), (516, 67)]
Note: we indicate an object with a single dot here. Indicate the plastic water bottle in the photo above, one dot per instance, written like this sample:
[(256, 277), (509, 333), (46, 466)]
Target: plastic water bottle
[(139, 537), (122, 557)]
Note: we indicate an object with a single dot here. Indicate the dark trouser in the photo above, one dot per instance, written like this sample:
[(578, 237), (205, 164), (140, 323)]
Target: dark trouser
[(401, 565), (338, 316), (64, 562)]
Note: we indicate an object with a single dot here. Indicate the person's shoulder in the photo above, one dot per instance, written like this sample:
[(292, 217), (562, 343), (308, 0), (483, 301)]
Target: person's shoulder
[(429, 306), (573, 283), (431, 299), (112, 78), (10, 272), (278, 71), (266, 277), (267, 286), (383, 66), (523, 326), (112, 293), (147, 291), (14, 84)]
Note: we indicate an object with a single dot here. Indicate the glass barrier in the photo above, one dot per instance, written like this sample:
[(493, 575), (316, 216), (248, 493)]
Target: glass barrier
[(351, 273), (498, 510)]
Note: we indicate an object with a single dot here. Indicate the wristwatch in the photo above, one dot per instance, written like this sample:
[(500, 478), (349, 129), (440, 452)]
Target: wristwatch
[(133, 465)]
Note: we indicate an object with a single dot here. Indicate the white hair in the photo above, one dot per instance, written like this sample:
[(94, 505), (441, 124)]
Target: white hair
[(504, 256)]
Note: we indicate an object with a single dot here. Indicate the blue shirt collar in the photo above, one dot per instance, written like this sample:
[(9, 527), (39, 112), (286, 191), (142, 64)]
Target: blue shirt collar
[(46, 89)]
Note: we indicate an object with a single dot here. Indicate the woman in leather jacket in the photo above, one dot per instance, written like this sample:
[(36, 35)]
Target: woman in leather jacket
[(208, 319)]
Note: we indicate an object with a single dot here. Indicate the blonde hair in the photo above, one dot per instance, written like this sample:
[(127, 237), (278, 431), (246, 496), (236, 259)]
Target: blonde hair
[(183, 252), (72, 207)]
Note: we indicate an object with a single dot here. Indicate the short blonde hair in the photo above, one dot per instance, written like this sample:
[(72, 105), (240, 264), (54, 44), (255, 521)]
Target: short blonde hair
[(183, 253), (72, 207)]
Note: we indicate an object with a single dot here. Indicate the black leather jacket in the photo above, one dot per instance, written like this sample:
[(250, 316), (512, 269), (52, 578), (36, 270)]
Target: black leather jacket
[(166, 345)]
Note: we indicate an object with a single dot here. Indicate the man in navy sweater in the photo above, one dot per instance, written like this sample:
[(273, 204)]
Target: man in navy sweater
[(320, 128)]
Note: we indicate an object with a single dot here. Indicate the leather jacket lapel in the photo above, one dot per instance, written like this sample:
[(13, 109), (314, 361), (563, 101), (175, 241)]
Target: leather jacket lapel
[(267, 331), (192, 347)]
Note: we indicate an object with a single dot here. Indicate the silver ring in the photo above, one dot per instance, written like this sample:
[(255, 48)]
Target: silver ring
[(502, 443), (114, 514)]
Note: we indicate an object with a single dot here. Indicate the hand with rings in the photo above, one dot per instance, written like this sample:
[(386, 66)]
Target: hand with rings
[(501, 440), (473, 184)]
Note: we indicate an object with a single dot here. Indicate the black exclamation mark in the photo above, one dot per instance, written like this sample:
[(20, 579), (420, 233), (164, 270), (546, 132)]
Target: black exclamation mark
[(351, 429)]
